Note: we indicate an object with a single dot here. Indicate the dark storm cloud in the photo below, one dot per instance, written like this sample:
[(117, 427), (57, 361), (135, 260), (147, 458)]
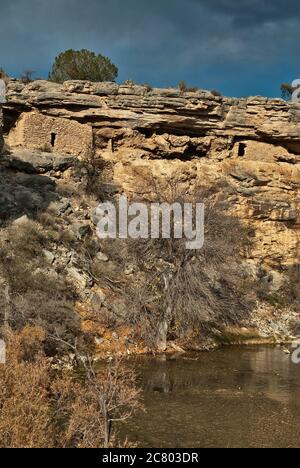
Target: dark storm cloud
[(248, 12), (241, 47)]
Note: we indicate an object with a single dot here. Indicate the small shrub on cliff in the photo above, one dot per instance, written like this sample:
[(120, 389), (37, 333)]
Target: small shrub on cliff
[(129, 83), (184, 88), (287, 91), (216, 93), (291, 290), (27, 76), (95, 170), (82, 65), (287, 296)]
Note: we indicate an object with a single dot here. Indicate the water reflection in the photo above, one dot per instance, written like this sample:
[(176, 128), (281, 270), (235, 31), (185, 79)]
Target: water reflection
[(235, 397)]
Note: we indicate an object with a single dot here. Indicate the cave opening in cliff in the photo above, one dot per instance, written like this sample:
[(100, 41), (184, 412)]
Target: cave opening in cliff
[(242, 149), (53, 139)]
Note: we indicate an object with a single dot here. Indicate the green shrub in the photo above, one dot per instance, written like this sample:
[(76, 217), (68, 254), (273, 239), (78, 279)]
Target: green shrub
[(82, 65)]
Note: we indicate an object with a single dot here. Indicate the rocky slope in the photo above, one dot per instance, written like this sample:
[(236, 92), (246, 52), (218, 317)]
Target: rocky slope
[(252, 144)]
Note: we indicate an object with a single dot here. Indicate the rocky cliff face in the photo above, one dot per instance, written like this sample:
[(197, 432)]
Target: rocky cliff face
[(253, 144)]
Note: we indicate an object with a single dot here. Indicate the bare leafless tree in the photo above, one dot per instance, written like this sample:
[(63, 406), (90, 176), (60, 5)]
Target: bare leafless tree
[(27, 76), (110, 395), (175, 290)]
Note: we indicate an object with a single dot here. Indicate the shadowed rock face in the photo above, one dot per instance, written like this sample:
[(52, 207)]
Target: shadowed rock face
[(23, 193), (32, 162), (252, 144)]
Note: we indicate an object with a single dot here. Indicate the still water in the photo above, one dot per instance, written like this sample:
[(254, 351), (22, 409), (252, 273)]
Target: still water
[(233, 397)]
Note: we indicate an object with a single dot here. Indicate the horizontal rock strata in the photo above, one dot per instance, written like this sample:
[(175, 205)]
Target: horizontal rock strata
[(253, 144)]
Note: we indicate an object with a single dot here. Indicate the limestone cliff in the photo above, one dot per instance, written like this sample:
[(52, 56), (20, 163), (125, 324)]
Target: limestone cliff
[(253, 143)]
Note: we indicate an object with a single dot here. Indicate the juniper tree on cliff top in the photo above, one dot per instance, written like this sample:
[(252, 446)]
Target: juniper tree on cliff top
[(82, 65)]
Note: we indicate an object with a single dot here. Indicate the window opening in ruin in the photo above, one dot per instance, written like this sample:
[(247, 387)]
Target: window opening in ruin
[(53, 139), (242, 149)]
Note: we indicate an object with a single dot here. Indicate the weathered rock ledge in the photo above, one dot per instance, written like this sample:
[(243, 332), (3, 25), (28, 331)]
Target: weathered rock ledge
[(163, 110)]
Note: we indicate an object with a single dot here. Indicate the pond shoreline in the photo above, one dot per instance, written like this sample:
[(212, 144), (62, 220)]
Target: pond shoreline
[(211, 345)]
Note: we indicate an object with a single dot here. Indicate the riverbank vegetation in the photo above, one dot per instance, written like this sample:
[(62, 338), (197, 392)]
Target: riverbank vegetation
[(43, 404)]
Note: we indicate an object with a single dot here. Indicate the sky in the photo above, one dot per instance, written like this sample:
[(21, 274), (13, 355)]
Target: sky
[(237, 47)]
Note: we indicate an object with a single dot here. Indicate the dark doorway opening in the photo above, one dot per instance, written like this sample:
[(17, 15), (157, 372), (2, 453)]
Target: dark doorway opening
[(53, 139), (242, 149)]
